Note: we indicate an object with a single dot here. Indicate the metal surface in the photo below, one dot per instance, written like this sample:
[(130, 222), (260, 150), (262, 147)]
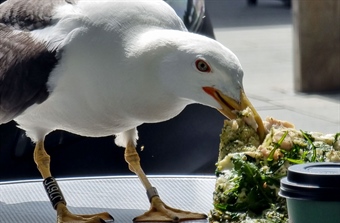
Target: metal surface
[(123, 197)]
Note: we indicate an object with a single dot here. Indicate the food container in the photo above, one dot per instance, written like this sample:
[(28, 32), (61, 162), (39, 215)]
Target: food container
[(313, 193)]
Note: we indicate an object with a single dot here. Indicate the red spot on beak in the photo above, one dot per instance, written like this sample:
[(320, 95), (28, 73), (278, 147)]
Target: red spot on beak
[(210, 91)]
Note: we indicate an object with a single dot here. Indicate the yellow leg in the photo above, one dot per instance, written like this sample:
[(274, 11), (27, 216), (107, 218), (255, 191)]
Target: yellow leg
[(42, 159), (158, 212)]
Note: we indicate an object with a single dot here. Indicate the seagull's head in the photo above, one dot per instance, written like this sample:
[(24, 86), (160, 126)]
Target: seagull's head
[(206, 72)]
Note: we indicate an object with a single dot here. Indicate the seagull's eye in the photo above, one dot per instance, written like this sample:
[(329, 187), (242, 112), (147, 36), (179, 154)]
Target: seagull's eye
[(202, 66)]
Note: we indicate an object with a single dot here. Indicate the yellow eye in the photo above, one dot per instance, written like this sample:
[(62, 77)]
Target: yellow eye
[(202, 66)]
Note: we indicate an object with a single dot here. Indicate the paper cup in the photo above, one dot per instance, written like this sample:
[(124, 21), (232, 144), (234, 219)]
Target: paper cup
[(313, 193)]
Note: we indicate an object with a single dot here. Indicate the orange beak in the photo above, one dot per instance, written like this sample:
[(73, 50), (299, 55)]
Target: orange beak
[(229, 105)]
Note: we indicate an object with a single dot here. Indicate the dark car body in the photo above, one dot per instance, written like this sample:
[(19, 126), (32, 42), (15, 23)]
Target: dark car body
[(287, 3), (187, 144), (194, 15)]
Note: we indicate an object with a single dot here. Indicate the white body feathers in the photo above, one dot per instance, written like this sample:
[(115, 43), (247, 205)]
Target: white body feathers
[(123, 64)]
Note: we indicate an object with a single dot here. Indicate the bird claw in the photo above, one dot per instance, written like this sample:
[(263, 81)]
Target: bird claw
[(160, 212), (65, 216)]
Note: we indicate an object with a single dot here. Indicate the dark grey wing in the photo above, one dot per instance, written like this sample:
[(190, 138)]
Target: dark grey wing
[(25, 64), (29, 14)]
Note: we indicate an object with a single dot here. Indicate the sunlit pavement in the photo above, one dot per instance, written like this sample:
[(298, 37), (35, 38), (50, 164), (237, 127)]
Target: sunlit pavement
[(262, 38)]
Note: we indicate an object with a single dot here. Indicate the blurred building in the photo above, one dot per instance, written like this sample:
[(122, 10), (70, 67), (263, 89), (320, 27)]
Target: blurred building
[(316, 45)]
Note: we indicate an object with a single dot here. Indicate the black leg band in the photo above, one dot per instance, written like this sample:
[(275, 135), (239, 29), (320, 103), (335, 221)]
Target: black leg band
[(151, 192), (53, 191)]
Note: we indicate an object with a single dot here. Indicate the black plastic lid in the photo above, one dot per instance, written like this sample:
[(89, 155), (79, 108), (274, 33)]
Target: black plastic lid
[(312, 181)]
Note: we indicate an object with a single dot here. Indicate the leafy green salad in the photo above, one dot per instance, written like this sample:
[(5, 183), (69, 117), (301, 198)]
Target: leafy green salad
[(248, 173)]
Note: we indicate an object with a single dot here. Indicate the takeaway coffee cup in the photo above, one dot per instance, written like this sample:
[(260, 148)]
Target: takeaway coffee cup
[(313, 193)]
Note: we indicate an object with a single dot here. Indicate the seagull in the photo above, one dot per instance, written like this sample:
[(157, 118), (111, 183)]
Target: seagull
[(102, 68)]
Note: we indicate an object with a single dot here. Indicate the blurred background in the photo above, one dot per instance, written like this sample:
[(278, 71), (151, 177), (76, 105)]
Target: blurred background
[(290, 54)]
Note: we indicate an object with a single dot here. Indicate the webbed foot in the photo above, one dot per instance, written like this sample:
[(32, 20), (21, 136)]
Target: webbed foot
[(65, 216), (160, 212)]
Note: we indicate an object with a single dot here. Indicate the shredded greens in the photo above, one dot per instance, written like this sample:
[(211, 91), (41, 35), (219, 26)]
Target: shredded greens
[(248, 174)]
